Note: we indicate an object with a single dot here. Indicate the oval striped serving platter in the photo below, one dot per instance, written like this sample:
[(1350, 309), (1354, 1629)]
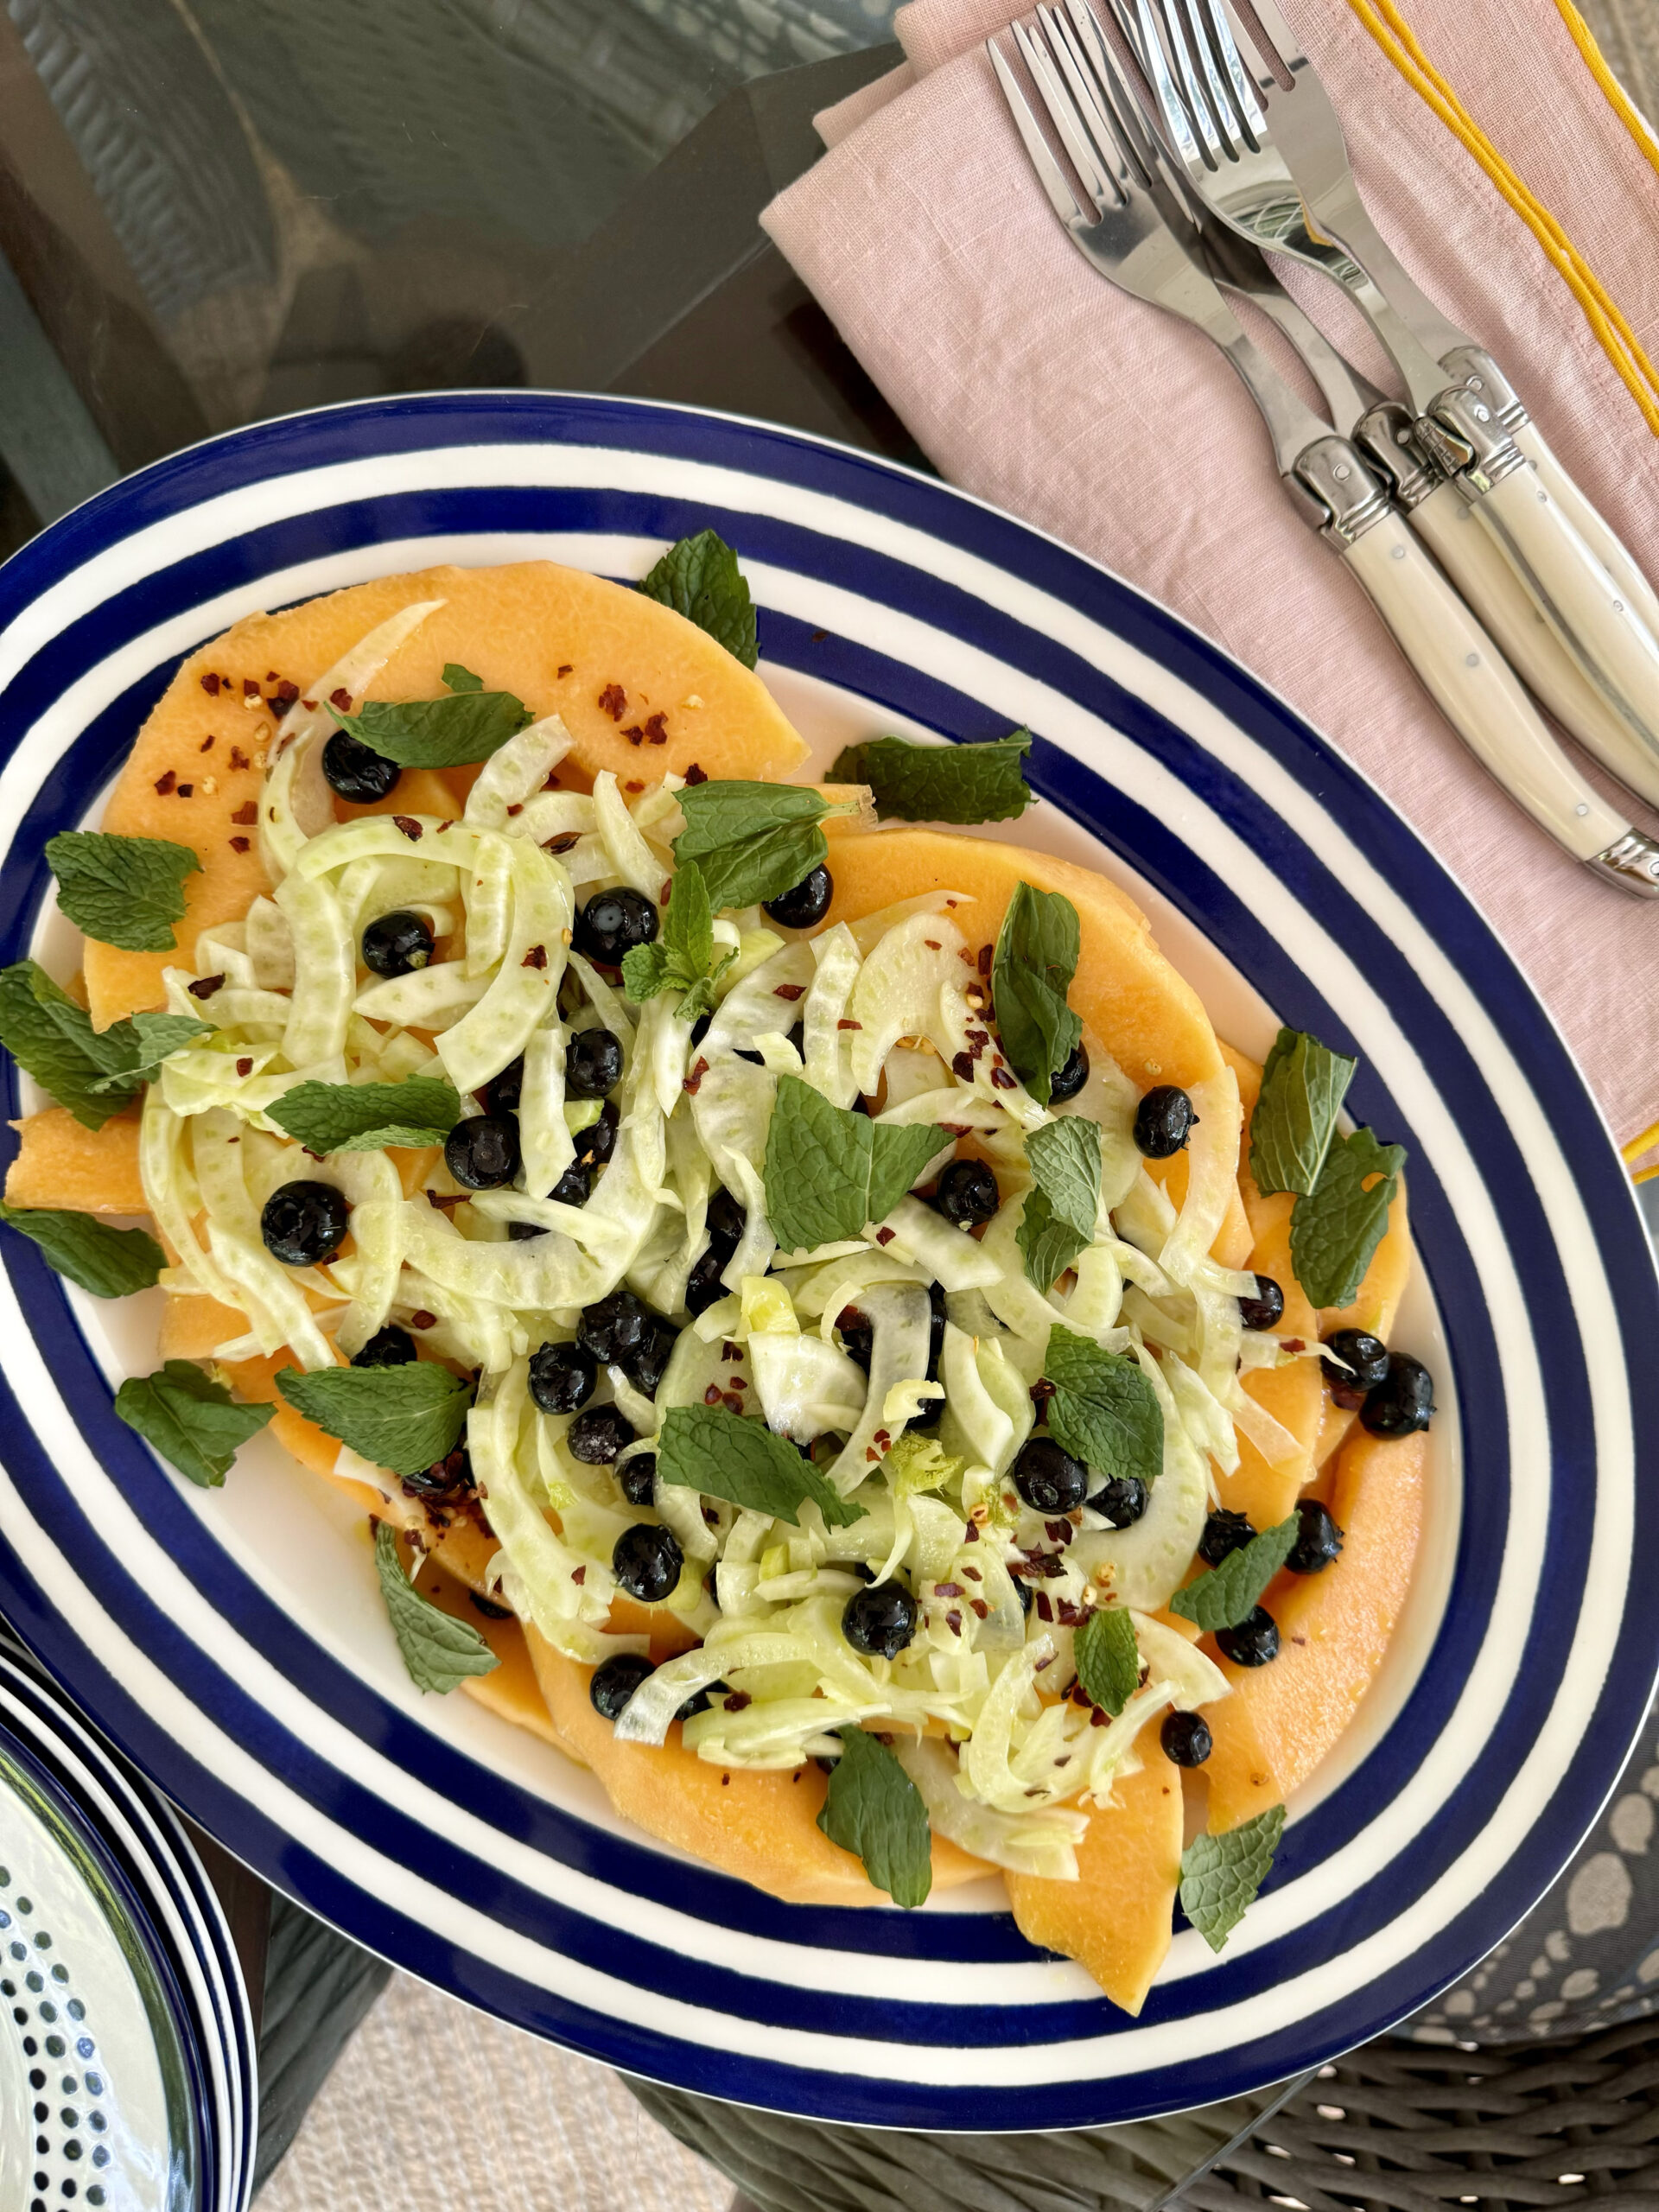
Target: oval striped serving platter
[(231, 1642)]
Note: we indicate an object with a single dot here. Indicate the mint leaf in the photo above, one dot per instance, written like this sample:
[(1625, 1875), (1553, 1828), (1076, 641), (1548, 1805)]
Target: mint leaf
[(828, 1171), (457, 679), (127, 892), (706, 1448), (700, 579), (683, 958), (1221, 1874), (448, 733), (875, 1810), (1103, 1410), (92, 1072), (138, 1045), (1059, 1219), (192, 1420), (1229, 1593), (1109, 1660), (422, 1110), (645, 971), (1336, 1227), (405, 1419), (940, 783), (439, 1650), (1036, 951), (1303, 1085), (764, 867), (751, 840), (109, 1262)]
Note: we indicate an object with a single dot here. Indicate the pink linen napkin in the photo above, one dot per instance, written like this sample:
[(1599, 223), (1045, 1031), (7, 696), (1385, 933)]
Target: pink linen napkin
[(1030, 381)]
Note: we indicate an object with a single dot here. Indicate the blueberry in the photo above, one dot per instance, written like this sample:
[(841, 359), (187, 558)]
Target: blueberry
[(1253, 1642), (857, 1338), (638, 1476), (596, 1436), (356, 772), (644, 1368), (1186, 1738), (1024, 1590), (574, 1186), (1224, 1533), (562, 1378), (1320, 1542), (1068, 1080), (935, 1329), (1367, 1363), (647, 1561), (523, 1232), (879, 1619), (1267, 1309), (488, 1607), (1402, 1402), (701, 1027), (613, 923), (593, 1064), (397, 944), (704, 1287), (444, 1479), (502, 1092), (482, 1152), (595, 1144), (615, 1680), (388, 1347), (615, 1326), (1163, 1121), (1122, 1501), (304, 1222), (966, 1193), (1048, 1479), (727, 1220), (697, 1702), (805, 907)]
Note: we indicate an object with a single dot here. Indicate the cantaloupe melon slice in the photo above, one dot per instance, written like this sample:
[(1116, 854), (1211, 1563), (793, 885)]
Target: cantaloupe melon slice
[(762, 1827), (1234, 1238), (563, 641), (1373, 1309), (1294, 1396), (62, 1163), (511, 1690), (1334, 1628), (1116, 1918), (1148, 1017)]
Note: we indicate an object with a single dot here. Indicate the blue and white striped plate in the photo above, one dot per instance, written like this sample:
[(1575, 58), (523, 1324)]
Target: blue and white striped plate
[(231, 1641)]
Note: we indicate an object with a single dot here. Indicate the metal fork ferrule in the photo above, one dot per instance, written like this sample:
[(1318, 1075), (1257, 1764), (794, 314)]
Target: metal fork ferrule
[(1386, 434), (1473, 424), (1335, 475), (1632, 862), (1473, 368)]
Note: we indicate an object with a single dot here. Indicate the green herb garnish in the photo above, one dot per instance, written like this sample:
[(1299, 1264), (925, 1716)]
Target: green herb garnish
[(1036, 951), (1229, 1593), (700, 579), (828, 1171), (723, 1455), (1107, 1659), (683, 958), (470, 725), (92, 1073), (1338, 1225), (940, 783), (1221, 1874), (325, 1117), (440, 1651), (1063, 1202), (405, 1419), (193, 1422), (752, 842), (875, 1810), (1103, 1410), (127, 892), (109, 1262), (1303, 1085)]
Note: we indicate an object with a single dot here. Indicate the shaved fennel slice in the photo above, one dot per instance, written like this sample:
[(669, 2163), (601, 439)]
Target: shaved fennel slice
[(954, 1030), (646, 1718), (325, 971), (276, 1305), (1042, 1841), (388, 837), (630, 856), (752, 1005), (870, 929), (776, 1734), (954, 1104), (1193, 1678), (296, 802), (553, 814), (378, 1233), (170, 1192), (901, 1317), (545, 1143), (489, 903), (897, 992), (914, 1231), (983, 1771), (569, 1613), (1277, 1445), (594, 1232), (805, 1386), (730, 1110), (270, 945), (515, 772), (979, 1428), (1211, 1176), (427, 998), (525, 987), (1143, 1565), (608, 1003), (828, 1059)]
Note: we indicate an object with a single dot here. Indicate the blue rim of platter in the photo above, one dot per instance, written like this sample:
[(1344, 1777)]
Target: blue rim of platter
[(183, 1921), (935, 608)]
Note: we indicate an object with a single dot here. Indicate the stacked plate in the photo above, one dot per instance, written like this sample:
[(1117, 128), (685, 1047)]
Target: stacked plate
[(127, 2058)]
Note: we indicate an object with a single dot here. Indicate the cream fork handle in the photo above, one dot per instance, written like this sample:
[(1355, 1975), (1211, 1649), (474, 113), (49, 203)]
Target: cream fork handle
[(1598, 534), (1477, 691)]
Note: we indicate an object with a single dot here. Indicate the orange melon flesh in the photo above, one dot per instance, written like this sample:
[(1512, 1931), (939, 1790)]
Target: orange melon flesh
[(1294, 1396), (762, 1827), (1334, 1628), (1148, 1018), (558, 638), (1234, 1238), (511, 1691), (1115, 1919), (63, 1164)]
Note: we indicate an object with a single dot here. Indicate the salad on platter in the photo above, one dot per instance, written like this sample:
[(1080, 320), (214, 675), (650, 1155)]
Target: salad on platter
[(819, 1327)]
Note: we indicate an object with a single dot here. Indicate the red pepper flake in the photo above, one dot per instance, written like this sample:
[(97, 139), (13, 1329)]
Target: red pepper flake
[(711, 1395), (240, 844), (611, 702), (1096, 1718), (565, 667), (1291, 1343), (789, 991), (983, 962), (634, 735), (251, 689), (656, 729), (536, 957), (341, 697), (724, 1779), (632, 786), (883, 1438), (972, 1538), (566, 841), (1041, 1390), (205, 986), (732, 1402), (514, 808), (955, 1129), (208, 743), (286, 692), (884, 1237), (247, 814), (973, 1574), (552, 783), (848, 1318), (844, 1024), (962, 1065), (739, 1384), (978, 1038), (1057, 1532), (1045, 1610), (694, 775), (411, 829), (1002, 1079), (1070, 1615), (953, 1622), (729, 1351), (245, 1067), (980, 1608), (185, 791), (442, 1203), (239, 758), (737, 1700), (947, 1589), (209, 685), (931, 943), (693, 1081), (164, 784), (442, 826)]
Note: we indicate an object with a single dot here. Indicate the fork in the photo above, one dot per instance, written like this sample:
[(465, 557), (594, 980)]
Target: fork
[(1136, 231), (1260, 143)]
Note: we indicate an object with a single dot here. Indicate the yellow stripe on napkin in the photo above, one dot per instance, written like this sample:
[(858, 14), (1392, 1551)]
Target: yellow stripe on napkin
[(1617, 99), (1384, 20)]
